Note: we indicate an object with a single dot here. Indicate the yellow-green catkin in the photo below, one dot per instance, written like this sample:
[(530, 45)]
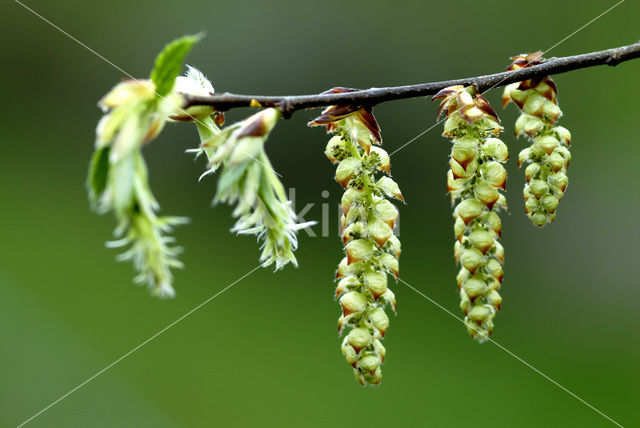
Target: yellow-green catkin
[(371, 247), (474, 182), (548, 156)]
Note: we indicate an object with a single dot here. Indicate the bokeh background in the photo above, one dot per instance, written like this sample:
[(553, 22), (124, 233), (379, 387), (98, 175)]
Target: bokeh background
[(265, 353)]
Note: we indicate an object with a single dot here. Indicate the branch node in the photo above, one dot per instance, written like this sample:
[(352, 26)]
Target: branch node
[(286, 107), (477, 85), (613, 60)]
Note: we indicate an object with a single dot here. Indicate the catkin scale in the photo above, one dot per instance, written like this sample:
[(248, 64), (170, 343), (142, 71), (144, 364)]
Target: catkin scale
[(474, 181)]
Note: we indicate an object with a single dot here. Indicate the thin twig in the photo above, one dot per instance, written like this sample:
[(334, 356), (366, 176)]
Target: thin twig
[(291, 103)]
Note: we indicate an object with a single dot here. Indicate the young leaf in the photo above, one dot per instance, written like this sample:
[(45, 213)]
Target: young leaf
[(98, 170), (168, 63)]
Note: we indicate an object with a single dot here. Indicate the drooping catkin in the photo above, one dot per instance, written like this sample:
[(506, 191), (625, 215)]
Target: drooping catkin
[(548, 155), (118, 181), (474, 180), (135, 112), (372, 250)]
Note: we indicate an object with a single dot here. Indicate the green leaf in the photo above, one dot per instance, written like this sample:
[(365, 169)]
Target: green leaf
[(98, 171), (168, 63)]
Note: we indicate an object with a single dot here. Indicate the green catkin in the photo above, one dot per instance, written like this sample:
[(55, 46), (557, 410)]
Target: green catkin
[(371, 248), (247, 178), (548, 156), (474, 181)]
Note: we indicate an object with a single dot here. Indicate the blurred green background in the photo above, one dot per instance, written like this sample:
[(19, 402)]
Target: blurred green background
[(265, 353)]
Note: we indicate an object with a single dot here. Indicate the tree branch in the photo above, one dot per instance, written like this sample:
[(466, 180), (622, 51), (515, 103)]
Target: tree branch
[(290, 103)]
